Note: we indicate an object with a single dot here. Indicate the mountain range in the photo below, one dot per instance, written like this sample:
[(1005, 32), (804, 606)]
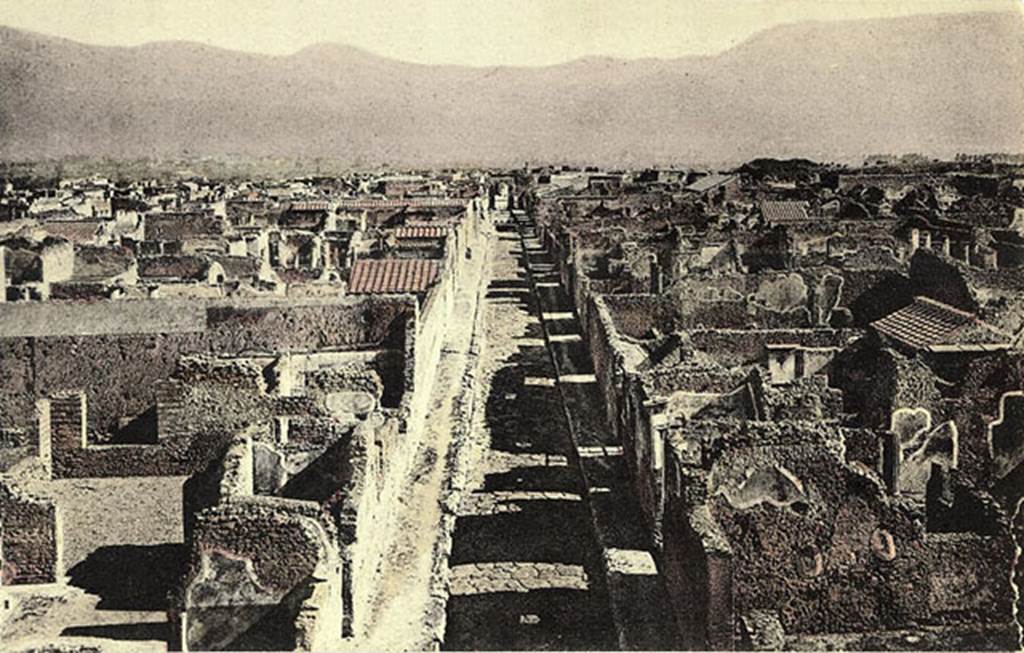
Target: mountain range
[(935, 84)]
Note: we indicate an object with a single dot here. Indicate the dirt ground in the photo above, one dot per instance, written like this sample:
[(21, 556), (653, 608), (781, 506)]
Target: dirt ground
[(122, 553)]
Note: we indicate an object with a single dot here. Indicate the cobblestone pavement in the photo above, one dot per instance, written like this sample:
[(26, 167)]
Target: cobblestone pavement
[(524, 569), (635, 589)]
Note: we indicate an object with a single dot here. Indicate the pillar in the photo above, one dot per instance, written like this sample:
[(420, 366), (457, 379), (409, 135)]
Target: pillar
[(45, 435), (656, 280), (891, 457), (3, 274)]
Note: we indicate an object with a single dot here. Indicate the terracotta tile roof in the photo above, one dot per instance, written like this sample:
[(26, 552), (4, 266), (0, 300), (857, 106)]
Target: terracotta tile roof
[(309, 206), (783, 211), (931, 325), (381, 276), (77, 231), (421, 232)]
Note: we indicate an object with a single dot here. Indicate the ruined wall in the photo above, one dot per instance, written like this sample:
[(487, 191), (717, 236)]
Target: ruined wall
[(698, 581), (818, 544), (980, 407), (893, 184), (179, 226), (339, 474), (898, 382), (614, 356), (872, 294), (807, 399), (735, 347), (119, 370), (941, 279), (635, 316), (30, 546), (804, 297), (643, 452), (253, 563)]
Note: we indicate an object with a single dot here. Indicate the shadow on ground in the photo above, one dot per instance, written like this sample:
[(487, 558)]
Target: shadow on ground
[(529, 449), (130, 577), (130, 631)]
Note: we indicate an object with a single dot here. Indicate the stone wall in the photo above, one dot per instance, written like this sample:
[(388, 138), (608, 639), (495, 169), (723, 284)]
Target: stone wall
[(697, 567), (120, 372), (255, 561), (898, 382), (817, 543), (940, 278), (30, 546), (742, 347), (180, 226), (338, 479)]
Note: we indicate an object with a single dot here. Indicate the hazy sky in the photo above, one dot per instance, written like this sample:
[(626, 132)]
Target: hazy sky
[(472, 32)]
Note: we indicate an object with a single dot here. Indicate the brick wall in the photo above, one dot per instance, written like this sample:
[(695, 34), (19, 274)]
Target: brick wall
[(29, 538)]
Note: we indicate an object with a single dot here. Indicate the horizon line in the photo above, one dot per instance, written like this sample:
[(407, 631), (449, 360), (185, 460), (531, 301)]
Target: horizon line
[(575, 60)]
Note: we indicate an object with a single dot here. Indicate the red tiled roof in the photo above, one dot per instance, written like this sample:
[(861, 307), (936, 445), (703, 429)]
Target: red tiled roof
[(380, 276), (421, 232), (928, 324), (77, 231), (309, 206), (783, 211)]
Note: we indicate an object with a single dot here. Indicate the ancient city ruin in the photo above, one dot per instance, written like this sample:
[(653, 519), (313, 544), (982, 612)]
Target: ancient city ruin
[(292, 360), (776, 407)]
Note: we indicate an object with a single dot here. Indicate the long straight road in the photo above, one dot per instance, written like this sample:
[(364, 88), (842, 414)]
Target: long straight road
[(525, 572), (635, 589)]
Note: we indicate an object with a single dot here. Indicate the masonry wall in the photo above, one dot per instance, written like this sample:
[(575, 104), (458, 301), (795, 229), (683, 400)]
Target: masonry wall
[(615, 356), (833, 554), (255, 561), (735, 347), (179, 226), (941, 279), (119, 370), (30, 546), (684, 566), (986, 383), (196, 423)]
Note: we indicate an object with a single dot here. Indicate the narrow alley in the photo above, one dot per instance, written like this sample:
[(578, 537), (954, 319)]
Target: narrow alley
[(525, 570)]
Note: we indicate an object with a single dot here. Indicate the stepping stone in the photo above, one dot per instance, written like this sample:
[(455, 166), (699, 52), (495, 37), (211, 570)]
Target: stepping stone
[(540, 381), (577, 378), (565, 337)]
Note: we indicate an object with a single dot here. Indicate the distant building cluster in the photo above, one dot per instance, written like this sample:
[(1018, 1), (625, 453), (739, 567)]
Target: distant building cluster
[(90, 239)]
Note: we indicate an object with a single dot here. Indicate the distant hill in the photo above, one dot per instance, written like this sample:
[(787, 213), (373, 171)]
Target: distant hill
[(936, 84)]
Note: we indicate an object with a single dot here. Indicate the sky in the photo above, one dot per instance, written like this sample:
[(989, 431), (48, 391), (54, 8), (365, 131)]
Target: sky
[(466, 32)]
